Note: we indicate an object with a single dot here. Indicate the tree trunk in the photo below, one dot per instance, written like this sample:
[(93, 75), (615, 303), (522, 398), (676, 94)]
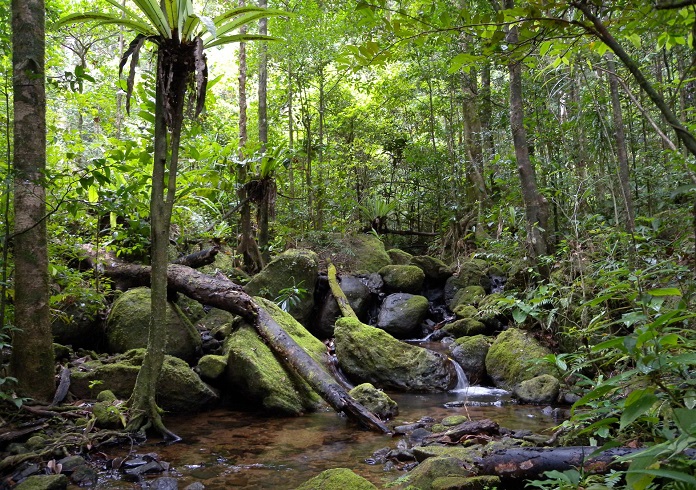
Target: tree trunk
[(247, 244), (264, 210), (32, 361), (143, 406), (536, 206), (531, 463), (628, 212), (226, 295)]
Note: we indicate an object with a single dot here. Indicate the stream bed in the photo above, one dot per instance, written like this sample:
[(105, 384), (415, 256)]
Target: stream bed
[(225, 449)]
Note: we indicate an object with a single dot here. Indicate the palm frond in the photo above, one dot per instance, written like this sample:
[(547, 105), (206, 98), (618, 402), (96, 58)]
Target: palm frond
[(237, 38), (101, 18), (154, 14), (245, 18), (172, 10)]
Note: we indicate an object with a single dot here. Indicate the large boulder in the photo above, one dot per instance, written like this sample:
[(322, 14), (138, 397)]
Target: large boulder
[(179, 389), (129, 322), (436, 271), (255, 375), (358, 295), (399, 257), (473, 272), (513, 357), (369, 354), (376, 401), (402, 313), (78, 322), (359, 253), (337, 479), (294, 268), (470, 353), (542, 389), (467, 296), (402, 278)]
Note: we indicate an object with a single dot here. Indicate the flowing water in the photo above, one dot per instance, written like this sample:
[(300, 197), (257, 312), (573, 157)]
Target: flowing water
[(231, 449)]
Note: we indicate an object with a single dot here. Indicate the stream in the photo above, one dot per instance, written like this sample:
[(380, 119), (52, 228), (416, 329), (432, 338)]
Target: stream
[(225, 449)]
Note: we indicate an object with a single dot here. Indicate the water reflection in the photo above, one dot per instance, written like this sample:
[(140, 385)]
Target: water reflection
[(229, 449)]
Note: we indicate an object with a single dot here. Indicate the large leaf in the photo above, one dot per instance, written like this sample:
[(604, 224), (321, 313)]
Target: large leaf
[(237, 38), (154, 14), (245, 19), (172, 9), (134, 24), (639, 402)]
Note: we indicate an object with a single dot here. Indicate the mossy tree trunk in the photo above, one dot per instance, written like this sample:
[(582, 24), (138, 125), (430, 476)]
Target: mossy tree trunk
[(32, 361)]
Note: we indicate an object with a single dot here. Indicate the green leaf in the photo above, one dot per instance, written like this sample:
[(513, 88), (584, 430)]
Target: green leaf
[(237, 38), (154, 14), (658, 292), (519, 315), (685, 419), (134, 24), (671, 474), (637, 406)]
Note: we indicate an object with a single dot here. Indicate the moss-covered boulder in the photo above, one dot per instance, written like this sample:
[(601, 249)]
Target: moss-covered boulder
[(79, 323), (211, 367), (369, 354), (217, 322), (482, 482), (254, 374), (436, 271), (44, 482), (295, 268), (402, 278), (467, 296), (179, 389), (472, 272), (109, 415), (376, 401), (399, 257), (129, 321), (337, 479), (465, 327), (359, 253), (468, 454), (401, 314), (470, 353), (541, 389), (423, 475), (512, 358)]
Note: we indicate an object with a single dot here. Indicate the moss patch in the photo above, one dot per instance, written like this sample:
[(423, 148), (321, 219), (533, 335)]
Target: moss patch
[(369, 354), (399, 257), (435, 270), (402, 278), (337, 479), (510, 360)]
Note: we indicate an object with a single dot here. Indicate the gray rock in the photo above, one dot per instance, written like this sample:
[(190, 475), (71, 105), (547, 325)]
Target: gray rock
[(435, 270), (540, 389), (295, 268), (358, 295), (165, 483), (470, 353), (402, 313)]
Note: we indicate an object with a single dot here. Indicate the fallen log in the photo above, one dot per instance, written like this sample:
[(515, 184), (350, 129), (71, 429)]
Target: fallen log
[(224, 294), (338, 293), (530, 463)]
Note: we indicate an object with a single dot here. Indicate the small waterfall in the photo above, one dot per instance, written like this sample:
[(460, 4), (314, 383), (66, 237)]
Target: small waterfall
[(462, 380)]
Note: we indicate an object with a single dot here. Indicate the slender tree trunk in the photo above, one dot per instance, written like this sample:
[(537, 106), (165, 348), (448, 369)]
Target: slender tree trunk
[(247, 244), (264, 210), (32, 361), (536, 206), (143, 406), (622, 156), (319, 201)]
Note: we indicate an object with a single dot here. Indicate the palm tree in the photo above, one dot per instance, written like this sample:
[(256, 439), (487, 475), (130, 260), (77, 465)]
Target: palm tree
[(180, 37)]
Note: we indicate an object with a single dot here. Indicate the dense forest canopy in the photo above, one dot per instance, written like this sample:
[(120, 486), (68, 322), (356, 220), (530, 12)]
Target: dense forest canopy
[(556, 136)]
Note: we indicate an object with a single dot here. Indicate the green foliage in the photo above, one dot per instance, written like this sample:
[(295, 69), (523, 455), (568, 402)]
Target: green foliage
[(7, 394), (291, 296)]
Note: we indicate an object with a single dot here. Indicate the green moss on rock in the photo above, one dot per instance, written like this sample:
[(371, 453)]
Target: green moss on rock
[(435, 270), (376, 401), (129, 321), (465, 327), (470, 353), (179, 389), (423, 475), (467, 296), (540, 389), (399, 257), (369, 354), (211, 367), (402, 278), (44, 482), (482, 482), (337, 479), (257, 375), (472, 272), (401, 314), (295, 268), (511, 358)]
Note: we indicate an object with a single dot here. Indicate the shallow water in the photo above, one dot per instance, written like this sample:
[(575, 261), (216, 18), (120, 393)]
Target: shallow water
[(229, 449)]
